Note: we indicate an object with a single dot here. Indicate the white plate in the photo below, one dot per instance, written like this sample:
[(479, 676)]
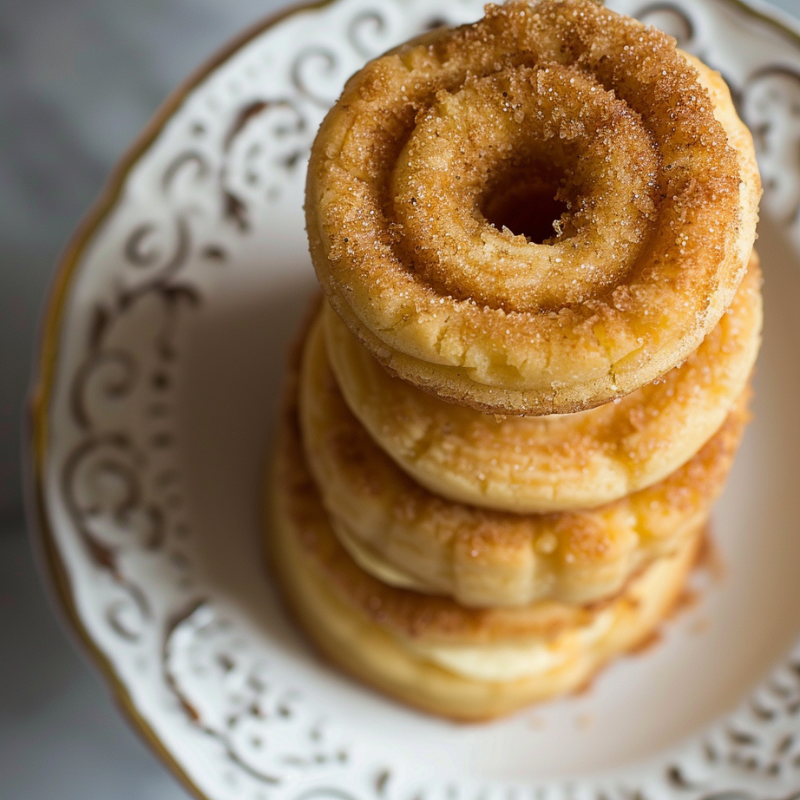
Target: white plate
[(157, 383)]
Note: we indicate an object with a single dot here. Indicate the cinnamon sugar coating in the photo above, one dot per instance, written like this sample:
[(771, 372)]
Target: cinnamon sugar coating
[(488, 558), (565, 462), (640, 142), (379, 633)]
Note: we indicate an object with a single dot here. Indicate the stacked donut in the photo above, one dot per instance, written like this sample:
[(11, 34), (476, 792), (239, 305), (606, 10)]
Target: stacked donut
[(506, 427)]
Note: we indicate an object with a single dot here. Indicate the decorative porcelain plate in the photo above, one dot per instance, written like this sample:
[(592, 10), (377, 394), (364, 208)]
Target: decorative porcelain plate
[(156, 391)]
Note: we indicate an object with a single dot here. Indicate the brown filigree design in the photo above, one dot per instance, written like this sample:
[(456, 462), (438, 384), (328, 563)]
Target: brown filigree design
[(229, 694), (366, 32), (770, 104)]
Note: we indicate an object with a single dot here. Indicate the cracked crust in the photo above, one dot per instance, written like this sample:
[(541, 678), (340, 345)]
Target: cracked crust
[(645, 261), (546, 464), (491, 558)]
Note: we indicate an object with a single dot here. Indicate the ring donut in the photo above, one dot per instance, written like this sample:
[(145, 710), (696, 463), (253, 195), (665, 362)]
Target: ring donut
[(557, 463), (462, 663), (406, 536), (559, 101)]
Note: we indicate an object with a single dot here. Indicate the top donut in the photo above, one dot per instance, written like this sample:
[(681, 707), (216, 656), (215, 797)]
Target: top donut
[(534, 214)]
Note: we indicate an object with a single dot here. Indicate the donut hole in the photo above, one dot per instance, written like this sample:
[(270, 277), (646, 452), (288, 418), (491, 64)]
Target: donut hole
[(526, 206)]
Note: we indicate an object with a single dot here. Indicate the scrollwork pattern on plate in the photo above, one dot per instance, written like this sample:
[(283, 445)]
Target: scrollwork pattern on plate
[(229, 693), (770, 103), (269, 139)]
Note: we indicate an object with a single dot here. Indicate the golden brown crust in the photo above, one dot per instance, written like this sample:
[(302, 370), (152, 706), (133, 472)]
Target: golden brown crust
[(545, 464), (492, 558), (371, 630), (649, 254)]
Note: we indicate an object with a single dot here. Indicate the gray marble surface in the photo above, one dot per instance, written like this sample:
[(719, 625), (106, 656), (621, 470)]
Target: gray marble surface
[(78, 79)]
